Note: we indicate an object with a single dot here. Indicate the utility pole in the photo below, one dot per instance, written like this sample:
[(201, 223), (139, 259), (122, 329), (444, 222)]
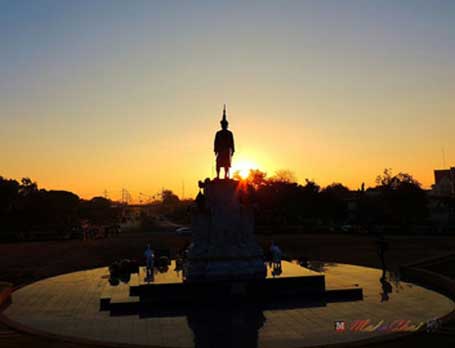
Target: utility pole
[(443, 158), (126, 197)]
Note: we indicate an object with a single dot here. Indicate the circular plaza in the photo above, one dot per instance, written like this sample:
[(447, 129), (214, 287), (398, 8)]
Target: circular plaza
[(67, 307)]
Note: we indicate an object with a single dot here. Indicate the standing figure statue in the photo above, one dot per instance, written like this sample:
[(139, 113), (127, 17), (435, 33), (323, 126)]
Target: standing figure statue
[(224, 147)]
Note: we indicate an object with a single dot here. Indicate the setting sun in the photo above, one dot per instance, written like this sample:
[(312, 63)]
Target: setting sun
[(243, 168), (187, 173)]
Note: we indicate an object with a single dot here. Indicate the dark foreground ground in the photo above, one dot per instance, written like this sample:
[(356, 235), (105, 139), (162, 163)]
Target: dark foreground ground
[(27, 262)]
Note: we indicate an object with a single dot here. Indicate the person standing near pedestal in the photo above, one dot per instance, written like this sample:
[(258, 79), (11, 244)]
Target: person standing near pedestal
[(276, 255), (224, 147), (150, 260)]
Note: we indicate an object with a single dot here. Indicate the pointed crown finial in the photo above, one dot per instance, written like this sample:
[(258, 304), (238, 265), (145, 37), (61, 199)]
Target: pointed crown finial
[(224, 120)]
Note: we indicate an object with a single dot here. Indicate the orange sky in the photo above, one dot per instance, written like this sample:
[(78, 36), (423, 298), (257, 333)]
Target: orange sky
[(98, 98)]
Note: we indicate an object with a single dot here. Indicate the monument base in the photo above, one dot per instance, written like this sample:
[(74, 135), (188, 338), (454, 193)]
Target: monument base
[(224, 246), (225, 269), (293, 287)]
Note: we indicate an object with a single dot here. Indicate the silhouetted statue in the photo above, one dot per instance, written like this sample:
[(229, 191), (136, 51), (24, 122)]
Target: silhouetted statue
[(386, 288), (200, 201), (224, 147)]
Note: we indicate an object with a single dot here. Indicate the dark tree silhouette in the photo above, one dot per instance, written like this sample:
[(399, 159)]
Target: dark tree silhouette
[(27, 212), (9, 190), (100, 210), (284, 175), (334, 203), (397, 200), (169, 198)]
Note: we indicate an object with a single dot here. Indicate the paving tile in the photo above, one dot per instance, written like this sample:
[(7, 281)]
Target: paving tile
[(69, 304)]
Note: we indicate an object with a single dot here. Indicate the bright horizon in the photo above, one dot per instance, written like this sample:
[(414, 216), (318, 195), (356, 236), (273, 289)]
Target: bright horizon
[(98, 95)]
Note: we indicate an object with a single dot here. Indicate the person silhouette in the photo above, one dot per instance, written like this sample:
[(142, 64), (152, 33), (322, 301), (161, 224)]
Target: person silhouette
[(150, 260), (224, 147), (276, 255)]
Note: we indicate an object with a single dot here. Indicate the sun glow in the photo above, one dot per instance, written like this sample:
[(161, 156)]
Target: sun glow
[(243, 168)]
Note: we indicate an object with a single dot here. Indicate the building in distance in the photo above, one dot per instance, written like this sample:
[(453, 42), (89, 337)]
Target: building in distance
[(444, 182)]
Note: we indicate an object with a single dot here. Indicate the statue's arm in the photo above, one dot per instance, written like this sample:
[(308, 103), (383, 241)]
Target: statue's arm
[(215, 145), (232, 143)]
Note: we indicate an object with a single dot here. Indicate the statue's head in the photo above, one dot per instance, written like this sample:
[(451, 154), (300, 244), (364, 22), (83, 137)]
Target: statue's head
[(224, 123)]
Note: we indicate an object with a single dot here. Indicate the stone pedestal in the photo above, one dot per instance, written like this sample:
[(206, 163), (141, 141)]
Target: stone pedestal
[(224, 246)]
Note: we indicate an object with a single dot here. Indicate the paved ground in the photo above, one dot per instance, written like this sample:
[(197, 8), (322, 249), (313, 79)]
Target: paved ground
[(69, 305), (27, 262)]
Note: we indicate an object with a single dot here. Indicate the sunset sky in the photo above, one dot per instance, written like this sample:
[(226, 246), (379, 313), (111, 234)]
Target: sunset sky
[(105, 95)]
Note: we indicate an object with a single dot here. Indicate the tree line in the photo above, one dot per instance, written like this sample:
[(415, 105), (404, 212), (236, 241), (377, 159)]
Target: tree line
[(395, 200), (26, 209)]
